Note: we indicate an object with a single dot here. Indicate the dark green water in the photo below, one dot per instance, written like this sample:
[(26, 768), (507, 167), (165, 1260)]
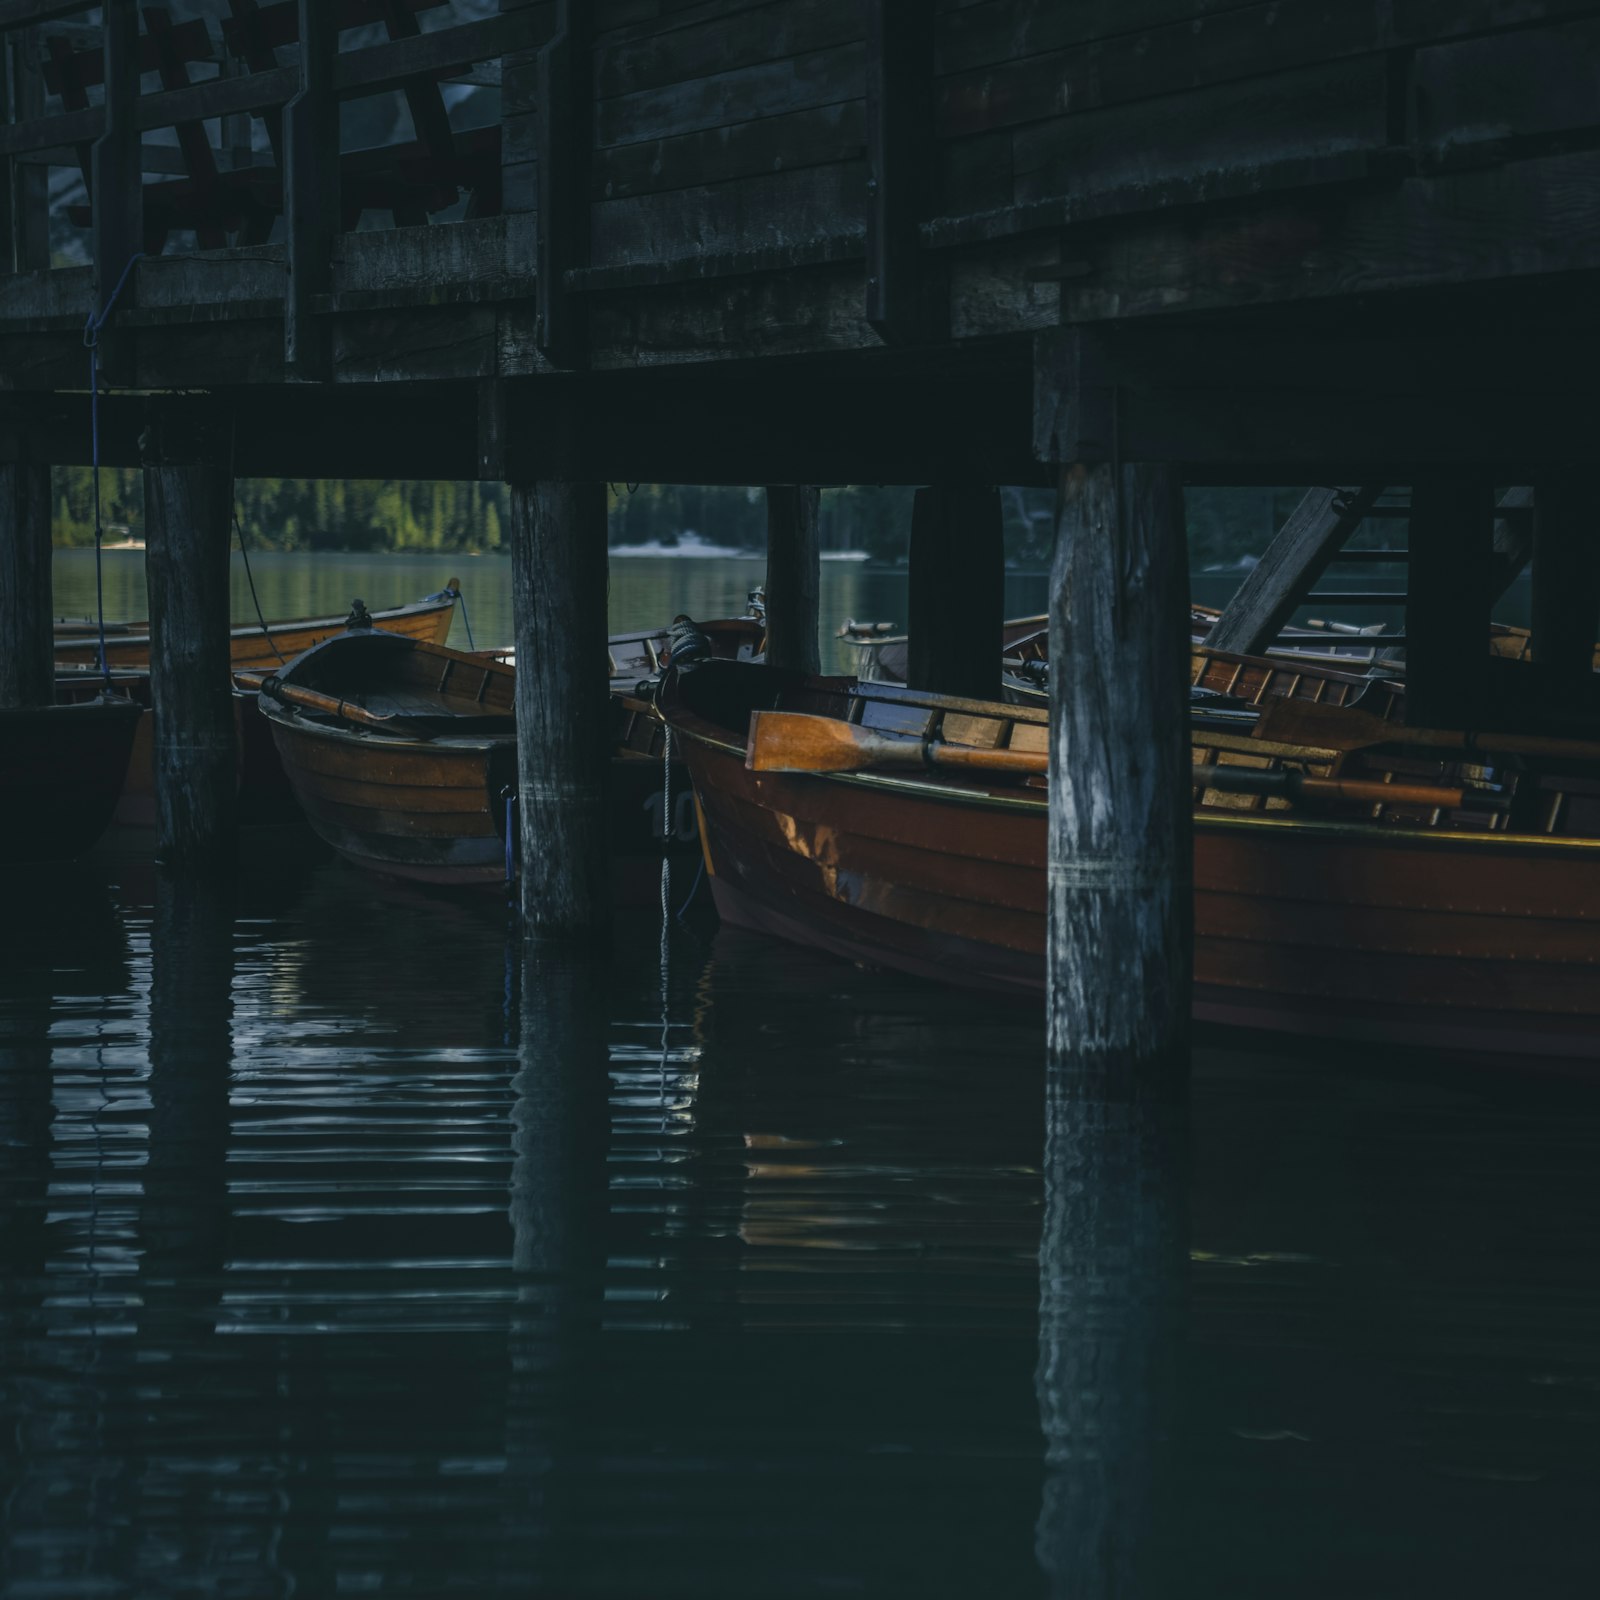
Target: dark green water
[(340, 1254)]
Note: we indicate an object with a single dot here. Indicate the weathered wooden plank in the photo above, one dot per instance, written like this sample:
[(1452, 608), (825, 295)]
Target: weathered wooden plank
[(24, 190), (725, 43), (1119, 958), (27, 658), (188, 515), (1315, 530), (1478, 97), (1309, 115), (387, 66), (899, 128), (24, 13), (1447, 601), (482, 250), (114, 163), (974, 175), (955, 599), (558, 575), (1003, 30), (311, 202), (1258, 40), (794, 84), (777, 212), (565, 152), (670, 16), (1533, 217), (1005, 290), (782, 143), (448, 342)]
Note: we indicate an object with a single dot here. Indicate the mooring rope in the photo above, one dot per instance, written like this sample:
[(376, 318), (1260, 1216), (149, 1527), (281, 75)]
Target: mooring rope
[(238, 528), (92, 325), (466, 621), (666, 902)]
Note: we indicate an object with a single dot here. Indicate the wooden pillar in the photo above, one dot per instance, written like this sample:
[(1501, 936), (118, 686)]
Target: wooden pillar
[(1121, 910), (1448, 600), (27, 665), (1566, 585), (558, 578), (794, 576), (311, 189), (956, 601), (188, 513), (564, 141)]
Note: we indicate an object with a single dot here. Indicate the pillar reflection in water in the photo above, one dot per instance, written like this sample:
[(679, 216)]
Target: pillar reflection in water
[(558, 1211), (1113, 1269)]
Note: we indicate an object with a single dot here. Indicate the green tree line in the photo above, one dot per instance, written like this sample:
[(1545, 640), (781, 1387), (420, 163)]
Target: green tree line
[(1225, 525)]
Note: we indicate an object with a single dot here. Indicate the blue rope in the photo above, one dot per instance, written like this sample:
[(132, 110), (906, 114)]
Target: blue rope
[(92, 325)]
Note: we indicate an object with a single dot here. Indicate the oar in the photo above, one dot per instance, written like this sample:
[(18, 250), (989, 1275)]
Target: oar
[(1302, 786), (294, 695), (789, 741), (1287, 721)]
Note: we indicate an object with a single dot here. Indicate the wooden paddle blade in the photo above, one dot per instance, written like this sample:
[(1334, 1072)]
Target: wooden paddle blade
[(790, 741), (1286, 721)]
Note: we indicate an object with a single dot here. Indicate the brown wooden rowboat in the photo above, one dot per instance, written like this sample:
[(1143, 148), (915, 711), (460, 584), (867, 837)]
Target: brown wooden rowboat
[(61, 775), (128, 643), (426, 795), (1389, 923)]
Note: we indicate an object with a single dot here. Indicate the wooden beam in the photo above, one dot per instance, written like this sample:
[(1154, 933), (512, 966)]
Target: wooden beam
[(899, 134), (24, 190), (311, 191), (956, 594), (558, 577), (27, 662), (564, 137), (1566, 586), (794, 575), (24, 13), (188, 514), (1290, 565), (117, 191), (1447, 602), (1119, 959)]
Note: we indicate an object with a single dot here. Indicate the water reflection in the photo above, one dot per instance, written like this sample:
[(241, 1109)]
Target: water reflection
[(325, 1269), (1113, 1274)]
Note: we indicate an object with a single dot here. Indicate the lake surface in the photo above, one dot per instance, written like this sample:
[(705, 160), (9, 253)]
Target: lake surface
[(344, 1253)]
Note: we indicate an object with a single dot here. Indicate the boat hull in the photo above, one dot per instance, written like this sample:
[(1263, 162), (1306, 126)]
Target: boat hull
[(1487, 943), (250, 649), (435, 812), (61, 777)]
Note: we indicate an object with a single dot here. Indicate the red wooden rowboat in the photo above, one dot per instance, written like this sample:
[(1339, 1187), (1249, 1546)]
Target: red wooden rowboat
[(1427, 925), (423, 792)]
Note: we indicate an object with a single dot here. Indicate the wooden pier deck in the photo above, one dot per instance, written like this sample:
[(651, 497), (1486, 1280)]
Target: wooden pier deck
[(1292, 234)]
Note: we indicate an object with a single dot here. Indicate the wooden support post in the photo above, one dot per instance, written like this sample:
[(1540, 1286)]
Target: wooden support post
[(794, 576), (1447, 602), (956, 600), (564, 141), (188, 513), (117, 184), (24, 193), (1566, 586), (311, 189), (1121, 904), (558, 579), (27, 664), (899, 129)]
